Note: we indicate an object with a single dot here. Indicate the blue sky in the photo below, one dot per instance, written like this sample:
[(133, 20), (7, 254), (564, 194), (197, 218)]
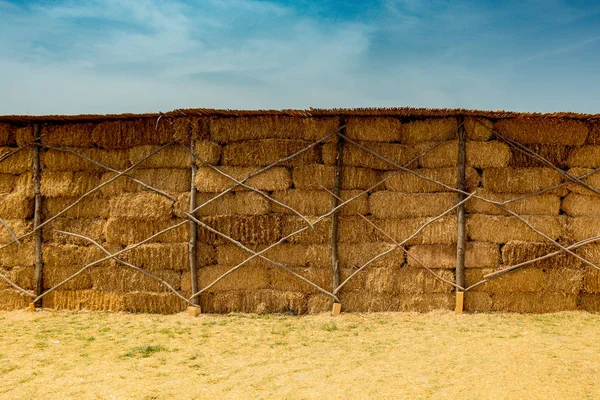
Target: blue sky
[(114, 56)]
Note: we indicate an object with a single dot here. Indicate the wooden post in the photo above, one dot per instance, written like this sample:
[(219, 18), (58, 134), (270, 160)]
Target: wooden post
[(335, 201), (193, 235), (37, 216), (460, 215)]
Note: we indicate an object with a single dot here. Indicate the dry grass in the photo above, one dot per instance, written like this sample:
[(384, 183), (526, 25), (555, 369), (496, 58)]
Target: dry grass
[(383, 355)]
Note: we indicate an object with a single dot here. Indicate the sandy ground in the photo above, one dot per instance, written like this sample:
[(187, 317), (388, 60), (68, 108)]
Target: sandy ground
[(389, 355)]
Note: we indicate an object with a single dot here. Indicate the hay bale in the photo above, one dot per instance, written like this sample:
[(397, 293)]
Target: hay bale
[(320, 234), (527, 280), (170, 180), (17, 205), (564, 280), (247, 277), (542, 204), (24, 135), (588, 302), (130, 133), (356, 157), (357, 302), (500, 229), (258, 153), (168, 256), (93, 228), (429, 130), (56, 160), (86, 208), (18, 226), (376, 129), (407, 281), (358, 283), (68, 135), (594, 135), (477, 255), (233, 203), (586, 156), (577, 205), (119, 278), (53, 275), (516, 252), (7, 182), (15, 255), (18, 163), (129, 231), (319, 303), (543, 130), (254, 229), (316, 203), (477, 302), (290, 255), (478, 128), (153, 303), (479, 155), (406, 182), (555, 153), (21, 276), (442, 231), (581, 228), (535, 302), (92, 300), (62, 261), (592, 180), (12, 300), (519, 180), (260, 301), (207, 151), (355, 255), (68, 184), (141, 206), (209, 180), (591, 280), (317, 176), (7, 133), (386, 204), (226, 130), (186, 128), (590, 252), (175, 156)]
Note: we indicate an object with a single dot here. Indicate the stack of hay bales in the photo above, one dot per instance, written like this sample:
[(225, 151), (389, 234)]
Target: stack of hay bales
[(16, 209)]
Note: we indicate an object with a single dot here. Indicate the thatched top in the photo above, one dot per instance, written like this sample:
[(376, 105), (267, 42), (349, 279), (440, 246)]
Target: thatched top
[(402, 112)]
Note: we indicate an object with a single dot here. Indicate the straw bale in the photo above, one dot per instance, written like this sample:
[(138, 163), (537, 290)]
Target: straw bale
[(477, 255), (586, 156), (259, 301), (525, 280), (535, 302), (209, 180), (175, 156), (16, 206), (235, 129), (590, 252), (168, 256), (588, 302), (184, 129), (592, 180), (68, 184), (501, 229), (542, 204), (594, 135), (207, 151), (356, 255), (21, 276), (516, 252), (478, 128), (18, 226), (56, 160), (591, 280), (386, 204), (68, 135), (7, 182), (258, 153), (479, 155), (356, 157), (442, 231), (429, 130), (376, 129), (317, 176), (319, 303), (17, 163), (87, 208), (233, 203), (53, 275), (146, 205), (129, 231), (93, 228), (358, 282), (320, 234), (24, 183), (12, 300), (581, 228), (247, 277), (170, 180), (477, 302), (15, 255), (119, 278), (555, 153), (153, 303), (57, 256), (259, 229), (290, 255), (577, 205), (7, 133), (564, 280), (519, 180), (131, 133), (543, 130), (407, 280), (359, 302), (409, 183), (24, 136), (316, 203), (85, 300)]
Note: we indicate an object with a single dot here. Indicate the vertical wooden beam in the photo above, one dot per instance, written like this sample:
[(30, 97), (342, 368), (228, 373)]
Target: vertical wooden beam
[(460, 215), (193, 232), (334, 203), (37, 216)]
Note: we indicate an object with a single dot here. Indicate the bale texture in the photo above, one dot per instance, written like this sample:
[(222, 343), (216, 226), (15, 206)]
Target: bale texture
[(155, 303), (21, 276), (542, 130), (207, 151), (407, 182), (93, 228), (500, 229), (586, 156), (429, 130), (129, 231), (255, 153), (244, 278), (68, 184), (576, 205), (56, 160), (119, 278), (209, 180), (85, 300), (592, 180), (519, 180), (317, 203), (442, 231), (477, 255), (554, 153), (535, 302), (542, 204), (407, 281), (357, 157), (516, 252), (253, 229), (318, 176), (479, 155), (581, 228), (386, 204), (478, 128), (17, 205), (169, 180), (17, 163), (141, 206), (358, 302), (12, 300), (374, 129), (175, 156), (131, 133), (88, 207)]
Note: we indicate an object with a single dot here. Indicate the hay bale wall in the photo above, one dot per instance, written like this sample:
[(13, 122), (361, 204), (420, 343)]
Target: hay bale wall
[(124, 212)]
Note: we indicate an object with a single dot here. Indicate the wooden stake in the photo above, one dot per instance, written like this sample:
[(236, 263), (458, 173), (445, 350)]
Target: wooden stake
[(31, 307), (193, 311), (193, 234), (37, 216), (460, 215), (337, 309), (335, 200)]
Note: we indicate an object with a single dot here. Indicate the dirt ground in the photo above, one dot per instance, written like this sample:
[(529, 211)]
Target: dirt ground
[(60, 355)]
